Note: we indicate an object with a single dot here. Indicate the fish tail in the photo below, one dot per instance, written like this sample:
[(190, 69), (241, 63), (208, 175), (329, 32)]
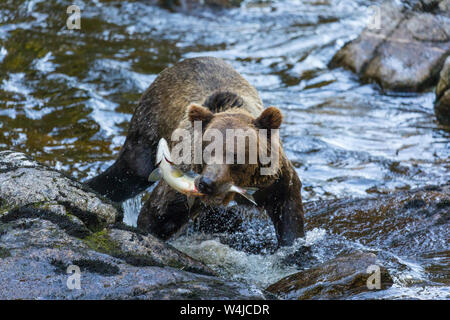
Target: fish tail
[(249, 197), (248, 194), (251, 190), (155, 175), (245, 192)]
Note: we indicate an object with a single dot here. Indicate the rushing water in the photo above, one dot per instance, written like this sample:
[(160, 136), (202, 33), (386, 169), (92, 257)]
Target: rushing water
[(67, 97)]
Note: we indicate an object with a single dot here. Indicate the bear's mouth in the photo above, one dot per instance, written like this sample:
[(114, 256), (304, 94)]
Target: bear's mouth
[(217, 200), (214, 194), (214, 201)]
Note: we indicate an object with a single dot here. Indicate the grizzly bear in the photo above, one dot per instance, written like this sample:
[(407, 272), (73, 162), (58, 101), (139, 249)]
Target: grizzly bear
[(208, 91)]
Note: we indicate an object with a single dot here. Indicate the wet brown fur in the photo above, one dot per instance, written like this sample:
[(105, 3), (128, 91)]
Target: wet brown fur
[(210, 90)]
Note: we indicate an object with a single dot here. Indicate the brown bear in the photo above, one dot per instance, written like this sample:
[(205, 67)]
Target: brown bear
[(209, 91)]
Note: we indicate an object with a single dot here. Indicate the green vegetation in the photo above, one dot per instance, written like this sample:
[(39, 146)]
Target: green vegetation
[(101, 242)]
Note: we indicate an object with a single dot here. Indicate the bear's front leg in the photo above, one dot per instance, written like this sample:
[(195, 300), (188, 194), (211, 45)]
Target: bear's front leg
[(283, 203), (164, 213)]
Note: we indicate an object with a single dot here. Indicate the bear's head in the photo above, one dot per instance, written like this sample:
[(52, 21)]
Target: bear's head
[(234, 145)]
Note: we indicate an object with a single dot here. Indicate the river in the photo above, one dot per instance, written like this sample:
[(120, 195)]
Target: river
[(67, 97)]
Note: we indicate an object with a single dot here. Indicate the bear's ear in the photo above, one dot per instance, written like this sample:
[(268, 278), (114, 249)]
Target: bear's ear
[(198, 113), (270, 118)]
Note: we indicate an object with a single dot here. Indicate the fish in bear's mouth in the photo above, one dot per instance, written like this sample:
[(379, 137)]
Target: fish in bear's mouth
[(190, 183)]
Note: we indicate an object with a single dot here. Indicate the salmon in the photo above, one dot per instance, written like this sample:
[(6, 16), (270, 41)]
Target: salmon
[(185, 182)]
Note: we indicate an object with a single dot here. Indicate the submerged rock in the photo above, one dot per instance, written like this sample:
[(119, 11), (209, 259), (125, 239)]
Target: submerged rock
[(434, 6), (193, 4), (421, 213), (409, 223), (339, 278), (405, 53), (404, 232), (442, 103), (49, 221), (407, 230)]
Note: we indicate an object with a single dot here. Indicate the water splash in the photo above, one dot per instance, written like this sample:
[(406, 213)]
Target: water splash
[(256, 269), (131, 209)]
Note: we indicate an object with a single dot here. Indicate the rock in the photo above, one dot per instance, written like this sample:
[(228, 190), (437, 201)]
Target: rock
[(442, 109), (221, 3), (444, 6), (442, 103), (175, 5), (35, 255), (400, 227), (338, 278), (49, 222), (24, 182), (410, 224), (373, 221), (146, 250), (406, 53), (408, 231)]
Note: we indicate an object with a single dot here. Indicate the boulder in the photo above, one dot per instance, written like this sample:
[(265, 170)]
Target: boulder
[(176, 5), (35, 255), (408, 223), (442, 103), (24, 182), (50, 223), (403, 232), (339, 278), (406, 53), (391, 231), (374, 221)]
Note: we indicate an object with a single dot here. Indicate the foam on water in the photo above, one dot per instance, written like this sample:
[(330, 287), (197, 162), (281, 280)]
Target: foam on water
[(3, 53), (258, 269), (44, 64), (401, 292), (34, 108)]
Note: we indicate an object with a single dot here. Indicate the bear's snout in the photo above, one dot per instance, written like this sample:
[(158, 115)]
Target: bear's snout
[(214, 183), (206, 185)]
